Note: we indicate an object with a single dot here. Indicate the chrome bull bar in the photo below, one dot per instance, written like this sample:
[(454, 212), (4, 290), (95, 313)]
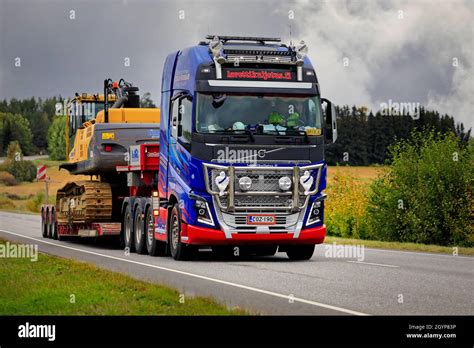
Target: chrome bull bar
[(295, 194)]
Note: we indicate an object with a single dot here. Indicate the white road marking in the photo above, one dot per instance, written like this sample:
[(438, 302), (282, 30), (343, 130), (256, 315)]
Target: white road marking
[(271, 293), (422, 253), (374, 264)]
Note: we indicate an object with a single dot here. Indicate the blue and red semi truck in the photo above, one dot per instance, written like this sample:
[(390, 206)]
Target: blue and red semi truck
[(239, 166)]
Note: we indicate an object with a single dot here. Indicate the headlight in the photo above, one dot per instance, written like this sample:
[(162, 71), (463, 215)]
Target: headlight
[(315, 213), (203, 213), (285, 183), (245, 183)]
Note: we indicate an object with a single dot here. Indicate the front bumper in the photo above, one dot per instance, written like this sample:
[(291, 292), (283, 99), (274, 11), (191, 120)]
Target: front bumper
[(195, 235)]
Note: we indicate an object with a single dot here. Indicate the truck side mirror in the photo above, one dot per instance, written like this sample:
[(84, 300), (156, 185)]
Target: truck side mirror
[(330, 130)]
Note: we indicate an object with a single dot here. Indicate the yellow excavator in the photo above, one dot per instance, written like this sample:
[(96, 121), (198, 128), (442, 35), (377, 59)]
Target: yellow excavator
[(99, 131)]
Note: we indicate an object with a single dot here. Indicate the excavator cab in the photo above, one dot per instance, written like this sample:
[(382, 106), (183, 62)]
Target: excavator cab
[(81, 109)]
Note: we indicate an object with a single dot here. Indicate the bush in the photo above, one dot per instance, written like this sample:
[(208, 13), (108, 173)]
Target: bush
[(426, 195), (345, 207), (22, 170), (7, 179), (34, 204), (14, 151), (6, 203)]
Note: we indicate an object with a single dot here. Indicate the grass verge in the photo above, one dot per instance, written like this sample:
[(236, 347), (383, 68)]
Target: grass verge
[(46, 287), (400, 246)]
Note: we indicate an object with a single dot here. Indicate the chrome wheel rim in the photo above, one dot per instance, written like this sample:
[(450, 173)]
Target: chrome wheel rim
[(138, 228), (53, 225), (174, 232), (150, 231), (127, 228)]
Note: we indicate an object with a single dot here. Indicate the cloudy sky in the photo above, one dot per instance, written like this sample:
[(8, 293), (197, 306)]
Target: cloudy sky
[(366, 52)]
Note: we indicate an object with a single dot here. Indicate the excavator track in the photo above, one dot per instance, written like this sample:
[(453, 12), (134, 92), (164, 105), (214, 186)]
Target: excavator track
[(84, 202)]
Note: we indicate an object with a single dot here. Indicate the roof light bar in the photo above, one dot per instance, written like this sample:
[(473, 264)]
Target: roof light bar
[(245, 38)]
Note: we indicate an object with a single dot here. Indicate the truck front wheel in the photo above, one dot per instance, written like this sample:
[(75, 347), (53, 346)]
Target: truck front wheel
[(179, 251), (300, 252)]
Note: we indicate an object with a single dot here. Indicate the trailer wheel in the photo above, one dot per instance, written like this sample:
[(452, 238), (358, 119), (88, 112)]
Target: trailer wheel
[(44, 224), (139, 230), (128, 228), (300, 252), (48, 224), (53, 227), (153, 246), (179, 251)]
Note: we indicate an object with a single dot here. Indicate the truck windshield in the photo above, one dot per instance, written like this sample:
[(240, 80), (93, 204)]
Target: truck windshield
[(266, 114)]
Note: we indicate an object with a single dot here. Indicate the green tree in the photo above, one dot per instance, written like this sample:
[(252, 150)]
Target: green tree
[(15, 127), (39, 128), (57, 139)]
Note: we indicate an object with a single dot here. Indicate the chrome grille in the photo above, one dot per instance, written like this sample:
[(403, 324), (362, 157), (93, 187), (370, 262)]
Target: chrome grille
[(276, 202), (239, 220)]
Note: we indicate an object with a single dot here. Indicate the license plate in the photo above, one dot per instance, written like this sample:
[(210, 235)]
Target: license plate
[(260, 219)]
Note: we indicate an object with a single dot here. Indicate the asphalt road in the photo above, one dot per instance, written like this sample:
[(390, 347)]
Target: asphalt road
[(385, 282)]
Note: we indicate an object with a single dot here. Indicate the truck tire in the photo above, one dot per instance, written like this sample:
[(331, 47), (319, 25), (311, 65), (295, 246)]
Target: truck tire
[(153, 246), (53, 227), (179, 251), (139, 229), (300, 252), (48, 224), (44, 224), (127, 226)]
